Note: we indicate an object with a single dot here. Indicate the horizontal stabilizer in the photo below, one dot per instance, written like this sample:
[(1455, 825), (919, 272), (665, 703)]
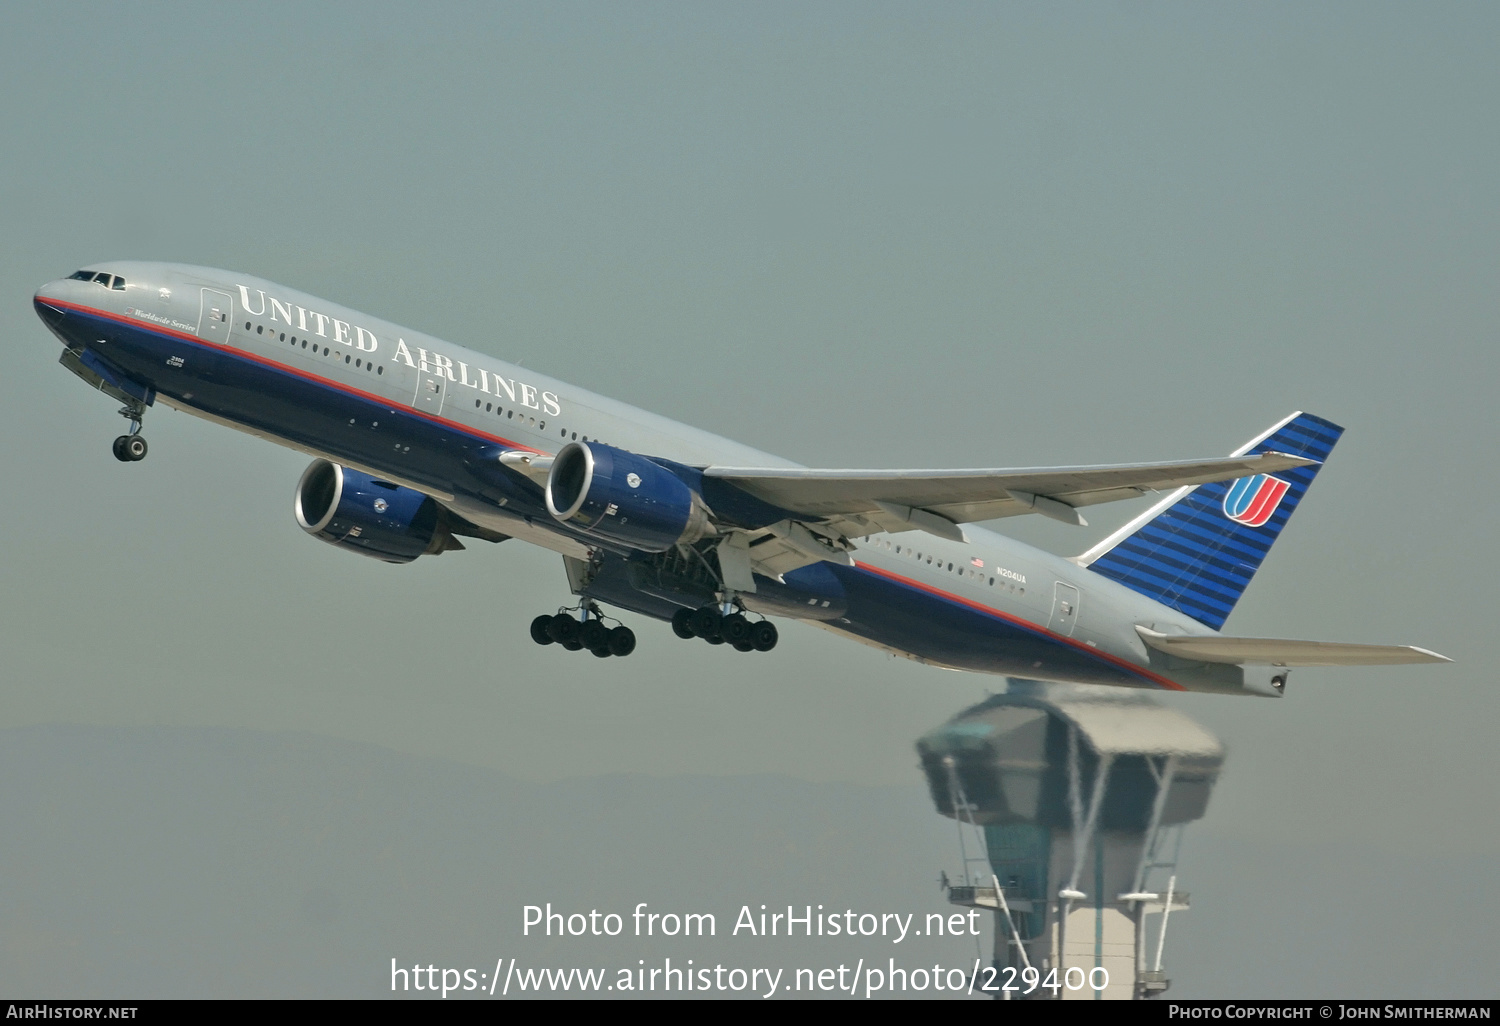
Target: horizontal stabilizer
[(966, 496), (1281, 652)]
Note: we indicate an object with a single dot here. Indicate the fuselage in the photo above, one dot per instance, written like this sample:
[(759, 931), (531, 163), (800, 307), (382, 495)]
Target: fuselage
[(364, 393)]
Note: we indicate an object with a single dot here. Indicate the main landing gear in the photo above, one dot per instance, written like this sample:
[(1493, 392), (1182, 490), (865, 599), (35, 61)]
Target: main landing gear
[(576, 629), (131, 448), (732, 629)]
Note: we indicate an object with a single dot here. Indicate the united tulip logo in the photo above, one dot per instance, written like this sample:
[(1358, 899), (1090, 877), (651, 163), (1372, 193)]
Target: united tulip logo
[(1252, 500)]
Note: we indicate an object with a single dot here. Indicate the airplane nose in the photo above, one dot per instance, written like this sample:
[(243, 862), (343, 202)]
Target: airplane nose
[(47, 309)]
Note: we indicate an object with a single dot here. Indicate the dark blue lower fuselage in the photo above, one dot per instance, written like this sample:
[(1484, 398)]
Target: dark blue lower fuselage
[(368, 427)]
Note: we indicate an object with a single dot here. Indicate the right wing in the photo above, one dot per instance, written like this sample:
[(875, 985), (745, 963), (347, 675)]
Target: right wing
[(887, 497)]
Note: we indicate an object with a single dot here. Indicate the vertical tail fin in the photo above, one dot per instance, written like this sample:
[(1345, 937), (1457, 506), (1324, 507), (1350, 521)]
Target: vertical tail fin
[(1197, 549)]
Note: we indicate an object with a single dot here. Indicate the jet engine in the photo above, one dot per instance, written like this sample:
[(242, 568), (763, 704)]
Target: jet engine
[(364, 514), (624, 498)]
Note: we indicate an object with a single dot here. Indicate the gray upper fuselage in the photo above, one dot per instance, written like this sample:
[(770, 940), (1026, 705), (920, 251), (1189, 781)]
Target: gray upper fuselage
[(487, 402)]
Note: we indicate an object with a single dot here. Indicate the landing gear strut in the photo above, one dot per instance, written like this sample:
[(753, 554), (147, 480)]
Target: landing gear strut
[(718, 628), (131, 448), (583, 628)]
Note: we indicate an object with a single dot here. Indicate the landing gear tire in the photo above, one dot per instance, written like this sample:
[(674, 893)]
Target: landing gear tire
[(563, 629), (705, 623), (595, 636), (682, 624), (129, 448), (763, 636), (539, 633), (621, 641), (743, 646), (736, 630), (602, 651)]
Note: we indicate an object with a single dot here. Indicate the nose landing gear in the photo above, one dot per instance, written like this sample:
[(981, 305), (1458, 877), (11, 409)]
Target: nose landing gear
[(583, 628), (131, 448)]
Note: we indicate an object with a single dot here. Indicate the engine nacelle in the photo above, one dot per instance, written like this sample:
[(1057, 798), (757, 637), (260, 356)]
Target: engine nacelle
[(363, 514), (623, 497)]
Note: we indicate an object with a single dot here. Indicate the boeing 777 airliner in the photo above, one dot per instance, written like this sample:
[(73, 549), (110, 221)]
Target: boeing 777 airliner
[(417, 443)]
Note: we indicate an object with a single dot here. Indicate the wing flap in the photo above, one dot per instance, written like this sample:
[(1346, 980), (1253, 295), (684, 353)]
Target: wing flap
[(965, 496), (1283, 652)]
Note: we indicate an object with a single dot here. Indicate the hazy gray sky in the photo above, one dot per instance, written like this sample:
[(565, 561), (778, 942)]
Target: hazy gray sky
[(851, 234)]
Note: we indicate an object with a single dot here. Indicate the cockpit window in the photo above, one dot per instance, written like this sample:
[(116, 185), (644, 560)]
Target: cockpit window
[(109, 281)]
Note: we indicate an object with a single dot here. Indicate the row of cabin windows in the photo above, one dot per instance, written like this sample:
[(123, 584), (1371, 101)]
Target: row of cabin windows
[(359, 363), (510, 414), (540, 425), (961, 570), (109, 281)]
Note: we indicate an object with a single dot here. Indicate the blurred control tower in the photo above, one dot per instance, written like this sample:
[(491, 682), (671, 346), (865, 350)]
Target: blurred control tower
[(1070, 803)]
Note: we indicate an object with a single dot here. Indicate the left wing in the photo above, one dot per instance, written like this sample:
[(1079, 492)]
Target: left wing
[(1279, 652)]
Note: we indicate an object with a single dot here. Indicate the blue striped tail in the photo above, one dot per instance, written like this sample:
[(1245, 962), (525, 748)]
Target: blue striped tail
[(1197, 550)]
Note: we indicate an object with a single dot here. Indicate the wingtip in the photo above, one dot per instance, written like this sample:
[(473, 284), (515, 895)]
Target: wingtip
[(1436, 657), (1294, 460)]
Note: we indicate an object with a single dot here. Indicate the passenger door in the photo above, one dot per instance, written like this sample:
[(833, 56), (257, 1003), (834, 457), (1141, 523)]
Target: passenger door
[(213, 316), (431, 389)]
